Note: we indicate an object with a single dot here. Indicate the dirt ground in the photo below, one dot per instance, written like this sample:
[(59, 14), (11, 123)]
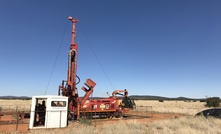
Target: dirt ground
[(7, 126), (139, 118)]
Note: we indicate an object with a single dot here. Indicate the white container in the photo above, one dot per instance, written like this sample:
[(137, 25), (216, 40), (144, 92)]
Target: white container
[(52, 115)]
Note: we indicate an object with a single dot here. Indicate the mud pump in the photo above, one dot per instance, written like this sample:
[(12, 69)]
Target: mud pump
[(81, 106)]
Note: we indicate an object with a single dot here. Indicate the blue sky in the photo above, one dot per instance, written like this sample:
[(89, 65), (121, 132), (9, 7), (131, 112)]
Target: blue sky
[(167, 48)]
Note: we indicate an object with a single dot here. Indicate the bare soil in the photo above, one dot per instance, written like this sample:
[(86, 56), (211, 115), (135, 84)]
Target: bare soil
[(9, 124), (138, 117)]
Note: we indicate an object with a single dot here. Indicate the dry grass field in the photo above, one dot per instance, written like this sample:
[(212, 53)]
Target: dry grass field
[(181, 107), (168, 126), (9, 105), (184, 124)]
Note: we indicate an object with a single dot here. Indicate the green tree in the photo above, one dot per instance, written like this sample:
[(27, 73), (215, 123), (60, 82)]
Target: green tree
[(213, 102)]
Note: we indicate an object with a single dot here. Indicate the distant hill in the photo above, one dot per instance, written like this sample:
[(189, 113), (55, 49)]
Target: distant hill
[(15, 97), (148, 97), (135, 97)]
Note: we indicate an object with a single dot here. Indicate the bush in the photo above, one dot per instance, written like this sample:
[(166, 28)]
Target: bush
[(161, 100), (213, 102), (203, 100), (85, 121)]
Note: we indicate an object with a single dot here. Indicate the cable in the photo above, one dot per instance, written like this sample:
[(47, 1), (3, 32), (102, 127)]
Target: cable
[(78, 80), (96, 56), (56, 59)]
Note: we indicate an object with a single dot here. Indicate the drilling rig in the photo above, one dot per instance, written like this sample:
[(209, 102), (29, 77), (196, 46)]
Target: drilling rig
[(56, 110), (81, 106)]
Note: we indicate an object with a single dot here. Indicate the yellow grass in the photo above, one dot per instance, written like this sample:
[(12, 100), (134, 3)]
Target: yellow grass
[(15, 102), (184, 125), (169, 126), (187, 108), (21, 105)]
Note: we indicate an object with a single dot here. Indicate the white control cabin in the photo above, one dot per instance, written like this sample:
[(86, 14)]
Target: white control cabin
[(48, 112)]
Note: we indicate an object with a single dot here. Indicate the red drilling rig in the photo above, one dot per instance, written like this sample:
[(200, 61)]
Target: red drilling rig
[(81, 106)]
